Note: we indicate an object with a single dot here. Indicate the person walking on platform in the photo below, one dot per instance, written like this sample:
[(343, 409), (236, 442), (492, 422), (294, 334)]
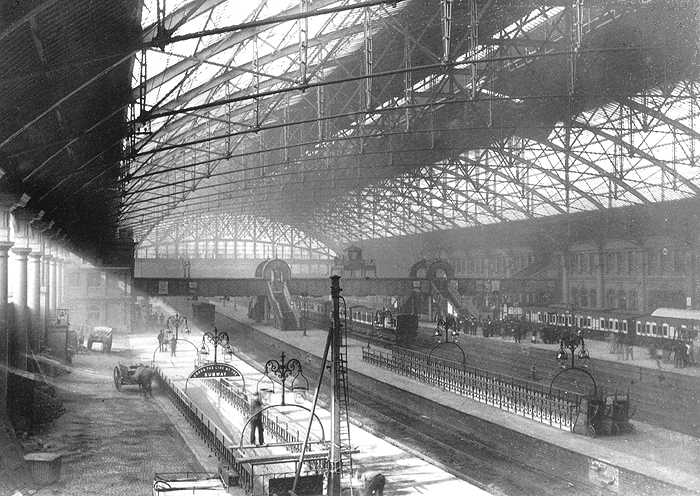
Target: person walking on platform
[(371, 481), (256, 422), (161, 339), (173, 345), (630, 340)]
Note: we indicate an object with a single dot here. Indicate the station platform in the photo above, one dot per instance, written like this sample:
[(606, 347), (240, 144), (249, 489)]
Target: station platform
[(405, 472), (663, 455), (162, 441)]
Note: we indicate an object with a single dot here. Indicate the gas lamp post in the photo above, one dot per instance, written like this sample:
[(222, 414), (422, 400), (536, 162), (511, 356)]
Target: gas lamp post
[(571, 341), (283, 370), (449, 326), (176, 321), (216, 338)]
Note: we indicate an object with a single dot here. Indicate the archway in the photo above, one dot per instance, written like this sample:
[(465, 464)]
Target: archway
[(260, 267), (440, 269), (277, 271), (419, 269)]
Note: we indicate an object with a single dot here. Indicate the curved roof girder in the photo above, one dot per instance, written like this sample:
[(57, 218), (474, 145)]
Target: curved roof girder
[(530, 188), (600, 170), (641, 153), (216, 82), (380, 192), (196, 227), (180, 16), (485, 187), (393, 201), (363, 233), (660, 116)]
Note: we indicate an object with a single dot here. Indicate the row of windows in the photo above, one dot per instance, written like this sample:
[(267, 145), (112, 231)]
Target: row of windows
[(310, 269), (232, 249), (622, 299), (660, 261), (495, 265), (642, 328)]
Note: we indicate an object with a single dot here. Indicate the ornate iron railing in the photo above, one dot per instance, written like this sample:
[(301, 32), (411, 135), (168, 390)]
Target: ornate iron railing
[(220, 443), (278, 428), (558, 409), (215, 438)]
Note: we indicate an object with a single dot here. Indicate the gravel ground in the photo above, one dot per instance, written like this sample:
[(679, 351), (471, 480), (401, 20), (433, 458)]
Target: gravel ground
[(112, 442)]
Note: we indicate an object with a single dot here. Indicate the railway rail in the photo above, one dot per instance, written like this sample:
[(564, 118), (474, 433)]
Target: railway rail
[(438, 434)]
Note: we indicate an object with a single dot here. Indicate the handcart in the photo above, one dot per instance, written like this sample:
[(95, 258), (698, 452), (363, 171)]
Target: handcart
[(617, 415), (608, 415), (595, 412)]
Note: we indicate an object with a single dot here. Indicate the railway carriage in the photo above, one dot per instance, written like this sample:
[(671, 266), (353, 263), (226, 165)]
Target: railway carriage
[(661, 329)]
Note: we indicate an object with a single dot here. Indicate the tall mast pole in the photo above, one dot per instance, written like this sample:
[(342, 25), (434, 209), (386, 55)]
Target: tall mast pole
[(334, 471)]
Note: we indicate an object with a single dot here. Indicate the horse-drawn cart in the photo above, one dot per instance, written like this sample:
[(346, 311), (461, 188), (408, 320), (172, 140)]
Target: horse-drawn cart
[(135, 375)]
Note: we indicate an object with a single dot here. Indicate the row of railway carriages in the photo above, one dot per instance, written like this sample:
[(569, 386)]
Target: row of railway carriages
[(662, 329)]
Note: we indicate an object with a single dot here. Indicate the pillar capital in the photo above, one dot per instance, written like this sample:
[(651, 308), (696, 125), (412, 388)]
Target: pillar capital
[(37, 228), (8, 203), (21, 251), (35, 255), (22, 225)]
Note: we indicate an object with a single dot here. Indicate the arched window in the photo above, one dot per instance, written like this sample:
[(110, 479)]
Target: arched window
[(575, 297), (610, 298), (592, 297), (632, 301), (622, 299)]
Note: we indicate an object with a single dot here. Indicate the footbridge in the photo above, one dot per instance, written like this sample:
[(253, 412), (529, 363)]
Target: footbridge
[(318, 286), (431, 284)]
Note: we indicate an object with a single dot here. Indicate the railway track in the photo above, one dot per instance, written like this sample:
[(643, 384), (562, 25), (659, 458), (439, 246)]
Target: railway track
[(436, 433)]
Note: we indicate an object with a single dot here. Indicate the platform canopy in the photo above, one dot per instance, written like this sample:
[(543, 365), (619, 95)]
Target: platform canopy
[(345, 120)]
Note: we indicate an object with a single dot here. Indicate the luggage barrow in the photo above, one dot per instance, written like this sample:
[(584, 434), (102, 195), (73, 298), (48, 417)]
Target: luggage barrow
[(619, 414)]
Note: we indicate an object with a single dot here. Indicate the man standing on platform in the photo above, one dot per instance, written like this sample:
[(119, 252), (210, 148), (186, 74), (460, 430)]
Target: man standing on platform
[(256, 422)]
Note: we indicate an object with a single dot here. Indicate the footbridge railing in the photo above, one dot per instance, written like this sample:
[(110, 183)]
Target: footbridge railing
[(558, 409)]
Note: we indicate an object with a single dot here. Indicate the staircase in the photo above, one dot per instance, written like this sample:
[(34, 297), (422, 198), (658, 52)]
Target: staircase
[(464, 305), (282, 306), (464, 309)]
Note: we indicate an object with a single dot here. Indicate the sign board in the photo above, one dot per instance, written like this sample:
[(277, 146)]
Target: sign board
[(162, 287), (62, 316), (215, 370)]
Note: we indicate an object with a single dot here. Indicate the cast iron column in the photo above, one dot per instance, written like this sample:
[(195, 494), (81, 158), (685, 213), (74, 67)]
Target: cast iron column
[(46, 272), (34, 301), (4, 324), (53, 302), (19, 342)]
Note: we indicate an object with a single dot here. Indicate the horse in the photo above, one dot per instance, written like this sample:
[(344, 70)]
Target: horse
[(144, 377)]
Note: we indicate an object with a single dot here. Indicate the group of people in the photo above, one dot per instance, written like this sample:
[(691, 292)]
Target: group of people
[(625, 343), (163, 342), (147, 317)]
